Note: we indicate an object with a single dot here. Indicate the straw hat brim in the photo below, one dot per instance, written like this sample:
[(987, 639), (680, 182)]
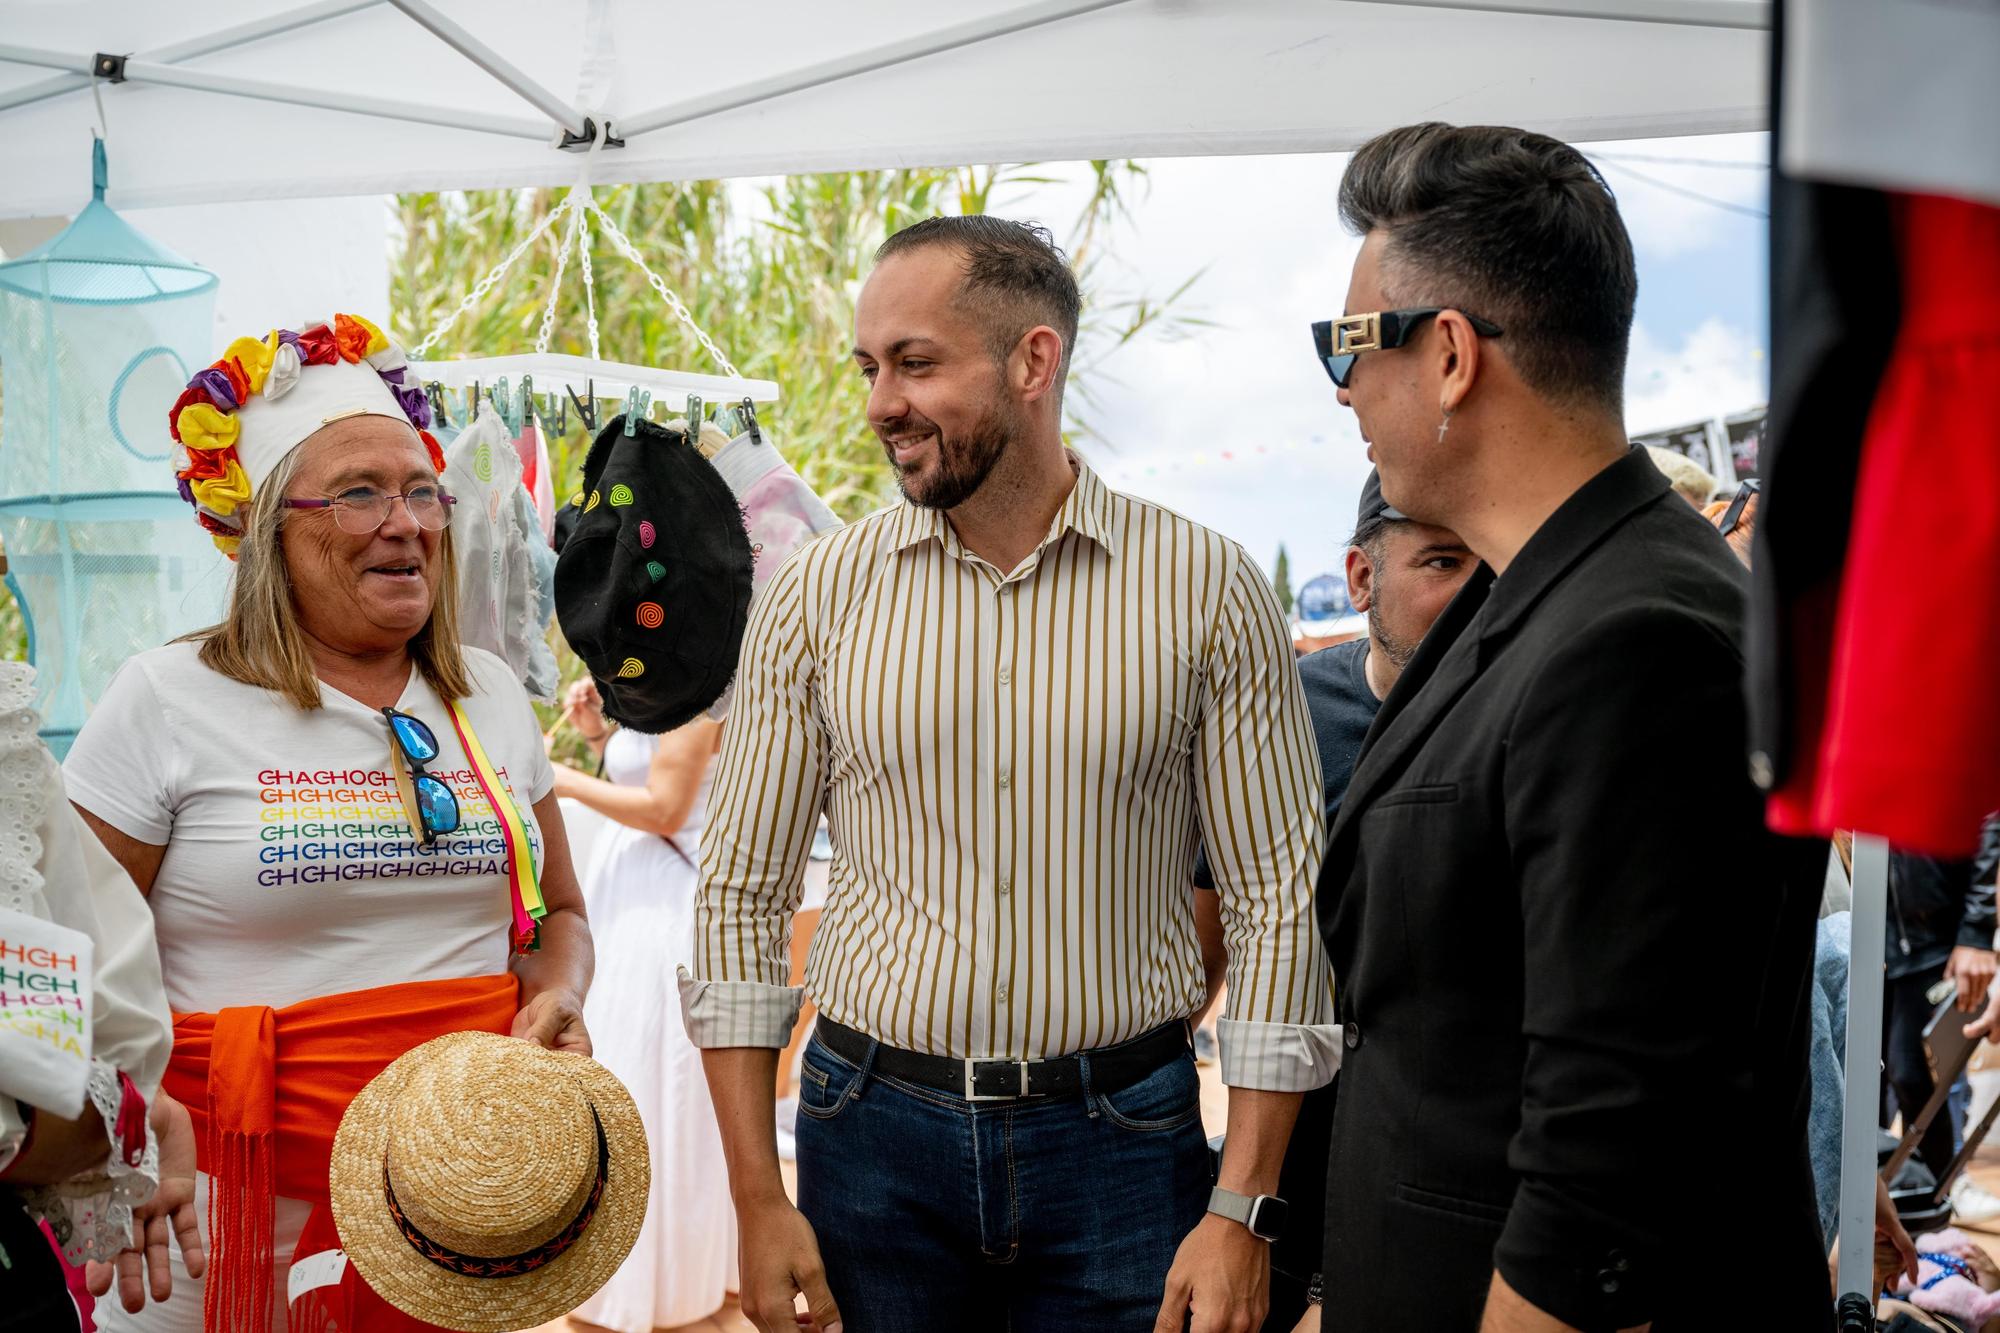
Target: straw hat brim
[(418, 1287)]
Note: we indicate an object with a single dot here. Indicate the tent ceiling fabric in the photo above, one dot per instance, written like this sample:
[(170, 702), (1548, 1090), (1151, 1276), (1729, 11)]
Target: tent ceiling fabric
[(1142, 78)]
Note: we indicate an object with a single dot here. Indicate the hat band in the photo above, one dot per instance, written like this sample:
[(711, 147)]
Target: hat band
[(513, 1265)]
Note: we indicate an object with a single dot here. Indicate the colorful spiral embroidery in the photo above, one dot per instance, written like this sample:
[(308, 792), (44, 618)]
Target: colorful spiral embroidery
[(591, 503), (646, 535), (652, 615), (621, 495), (631, 669), (656, 569)]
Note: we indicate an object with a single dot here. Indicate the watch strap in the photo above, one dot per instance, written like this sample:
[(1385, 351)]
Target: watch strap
[(1228, 1203)]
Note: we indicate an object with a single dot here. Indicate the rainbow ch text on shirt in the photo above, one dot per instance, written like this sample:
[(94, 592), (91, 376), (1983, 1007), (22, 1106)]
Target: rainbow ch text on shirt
[(322, 825)]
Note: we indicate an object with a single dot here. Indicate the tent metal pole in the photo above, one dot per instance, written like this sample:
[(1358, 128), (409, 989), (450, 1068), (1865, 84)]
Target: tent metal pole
[(1750, 15), (34, 55), (265, 90), (193, 47), (1862, 1106), (484, 56), (861, 62)]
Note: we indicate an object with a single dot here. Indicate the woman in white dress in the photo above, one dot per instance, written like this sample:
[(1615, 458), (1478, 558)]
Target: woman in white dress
[(639, 884)]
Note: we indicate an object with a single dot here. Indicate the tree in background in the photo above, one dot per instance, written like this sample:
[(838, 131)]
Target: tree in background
[(770, 273), (1281, 579)]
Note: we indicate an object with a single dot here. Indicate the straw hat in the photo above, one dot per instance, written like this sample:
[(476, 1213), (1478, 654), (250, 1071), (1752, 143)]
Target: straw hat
[(477, 1152)]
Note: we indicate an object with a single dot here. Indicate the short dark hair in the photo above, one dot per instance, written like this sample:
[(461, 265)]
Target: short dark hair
[(1016, 277), (1370, 534), (1518, 227)]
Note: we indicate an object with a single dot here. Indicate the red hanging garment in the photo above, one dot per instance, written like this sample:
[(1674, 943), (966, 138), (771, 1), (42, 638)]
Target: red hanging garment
[(1907, 742)]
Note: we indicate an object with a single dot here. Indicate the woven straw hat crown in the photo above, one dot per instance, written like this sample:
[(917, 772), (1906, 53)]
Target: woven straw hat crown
[(485, 1184), (464, 1170)]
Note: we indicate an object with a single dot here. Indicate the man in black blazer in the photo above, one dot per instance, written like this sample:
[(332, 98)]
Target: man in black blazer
[(1571, 962)]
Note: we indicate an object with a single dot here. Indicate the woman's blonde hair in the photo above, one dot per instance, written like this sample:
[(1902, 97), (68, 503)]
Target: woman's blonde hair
[(259, 641)]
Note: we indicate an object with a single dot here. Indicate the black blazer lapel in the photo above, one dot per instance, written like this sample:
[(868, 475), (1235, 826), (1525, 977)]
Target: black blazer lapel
[(1446, 663), (1445, 666)]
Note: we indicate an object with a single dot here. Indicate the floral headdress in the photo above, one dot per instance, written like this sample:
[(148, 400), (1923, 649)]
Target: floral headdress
[(239, 417)]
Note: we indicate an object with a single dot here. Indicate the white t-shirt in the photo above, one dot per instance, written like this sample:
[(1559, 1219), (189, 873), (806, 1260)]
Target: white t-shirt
[(291, 870)]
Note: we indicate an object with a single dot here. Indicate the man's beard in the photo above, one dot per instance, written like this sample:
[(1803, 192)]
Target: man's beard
[(963, 463), (1396, 650)]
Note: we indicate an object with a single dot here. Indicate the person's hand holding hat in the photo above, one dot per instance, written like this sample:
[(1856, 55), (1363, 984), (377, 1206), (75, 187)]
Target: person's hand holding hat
[(554, 1019)]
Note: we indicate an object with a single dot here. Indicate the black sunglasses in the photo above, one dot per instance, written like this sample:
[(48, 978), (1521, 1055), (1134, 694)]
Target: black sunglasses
[(1341, 340), (1732, 517), (437, 807)]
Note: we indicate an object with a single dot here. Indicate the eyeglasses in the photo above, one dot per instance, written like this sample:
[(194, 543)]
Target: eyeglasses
[(434, 805), (1341, 340), (1732, 517), (364, 509)]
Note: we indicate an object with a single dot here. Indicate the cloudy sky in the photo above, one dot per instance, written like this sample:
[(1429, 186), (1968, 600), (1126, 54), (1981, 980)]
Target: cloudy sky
[(1237, 426)]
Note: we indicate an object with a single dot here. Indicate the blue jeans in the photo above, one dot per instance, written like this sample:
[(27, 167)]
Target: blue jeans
[(933, 1212)]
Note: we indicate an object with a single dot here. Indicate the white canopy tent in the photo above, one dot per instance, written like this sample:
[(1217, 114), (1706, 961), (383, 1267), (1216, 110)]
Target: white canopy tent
[(236, 99), (233, 100)]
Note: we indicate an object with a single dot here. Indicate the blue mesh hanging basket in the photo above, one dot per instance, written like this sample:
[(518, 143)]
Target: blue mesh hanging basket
[(99, 330)]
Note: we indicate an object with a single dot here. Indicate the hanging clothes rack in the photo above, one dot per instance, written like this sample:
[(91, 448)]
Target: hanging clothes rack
[(592, 376)]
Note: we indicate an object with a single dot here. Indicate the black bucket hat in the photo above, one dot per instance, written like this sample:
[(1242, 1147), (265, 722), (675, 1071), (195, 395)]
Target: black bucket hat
[(653, 578)]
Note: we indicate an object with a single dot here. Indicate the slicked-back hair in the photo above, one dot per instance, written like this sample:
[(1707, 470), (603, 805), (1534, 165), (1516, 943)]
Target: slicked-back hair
[(1016, 277), (1515, 227)]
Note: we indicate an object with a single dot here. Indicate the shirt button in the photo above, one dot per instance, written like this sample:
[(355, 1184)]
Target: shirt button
[(1005, 779), (1001, 995), (1006, 676), (1350, 1036), (1005, 884)]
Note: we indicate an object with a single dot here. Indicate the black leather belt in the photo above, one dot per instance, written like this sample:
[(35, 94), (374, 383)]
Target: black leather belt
[(1112, 1068)]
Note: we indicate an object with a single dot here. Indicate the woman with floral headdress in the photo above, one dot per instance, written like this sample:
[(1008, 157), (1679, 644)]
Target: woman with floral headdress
[(342, 817)]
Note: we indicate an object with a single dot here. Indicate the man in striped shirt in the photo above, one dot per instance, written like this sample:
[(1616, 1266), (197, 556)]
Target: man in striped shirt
[(1021, 699)]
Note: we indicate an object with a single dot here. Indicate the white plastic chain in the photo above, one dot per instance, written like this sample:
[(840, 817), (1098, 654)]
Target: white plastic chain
[(576, 205), (485, 284), (555, 284), (674, 303), (589, 282)]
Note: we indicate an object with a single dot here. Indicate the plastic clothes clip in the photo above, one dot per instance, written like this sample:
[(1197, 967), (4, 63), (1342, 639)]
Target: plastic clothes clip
[(638, 402), (503, 403)]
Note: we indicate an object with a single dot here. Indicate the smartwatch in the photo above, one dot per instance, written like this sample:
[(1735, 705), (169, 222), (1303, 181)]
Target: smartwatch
[(1264, 1214)]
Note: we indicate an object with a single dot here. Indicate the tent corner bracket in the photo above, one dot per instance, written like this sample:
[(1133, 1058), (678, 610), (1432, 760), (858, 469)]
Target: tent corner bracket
[(572, 142)]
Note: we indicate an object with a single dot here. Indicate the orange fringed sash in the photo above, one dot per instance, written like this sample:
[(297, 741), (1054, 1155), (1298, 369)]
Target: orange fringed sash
[(266, 1089)]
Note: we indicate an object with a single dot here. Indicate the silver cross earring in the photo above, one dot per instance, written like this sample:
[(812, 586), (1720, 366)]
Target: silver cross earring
[(1445, 424)]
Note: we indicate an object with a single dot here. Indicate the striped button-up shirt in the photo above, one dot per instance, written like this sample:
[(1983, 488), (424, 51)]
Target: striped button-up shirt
[(1016, 769)]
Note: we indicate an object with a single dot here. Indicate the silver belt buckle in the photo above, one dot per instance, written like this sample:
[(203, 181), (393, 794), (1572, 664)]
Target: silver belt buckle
[(972, 1066)]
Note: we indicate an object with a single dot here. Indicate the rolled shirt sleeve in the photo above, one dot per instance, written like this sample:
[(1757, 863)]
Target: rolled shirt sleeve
[(770, 786), (1259, 796)]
